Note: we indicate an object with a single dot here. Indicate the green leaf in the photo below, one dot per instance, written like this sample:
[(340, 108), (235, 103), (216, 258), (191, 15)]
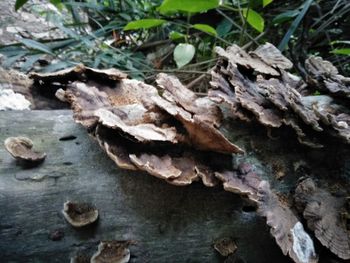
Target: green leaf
[(266, 2), (347, 42), (55, 2), (285, 16), (183, 54), (254, 19), (224, 27), (144, 24), (205, 28), (341, 51), (30, 61), (32, 44), (176, 35), (9, 61), (19, 4), (192, 6)]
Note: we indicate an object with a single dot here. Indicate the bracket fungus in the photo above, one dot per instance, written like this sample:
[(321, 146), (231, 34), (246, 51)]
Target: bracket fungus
[(225, 246), (167, 134), (286, 228), (256, 86), (21, 149), (244, 181), (171, 133), (112, 252), (79, 214), (326, 215)]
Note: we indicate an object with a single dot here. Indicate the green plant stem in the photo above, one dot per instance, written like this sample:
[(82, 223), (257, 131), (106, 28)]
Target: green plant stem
[(188, 27), (244, 27), (235, 24)]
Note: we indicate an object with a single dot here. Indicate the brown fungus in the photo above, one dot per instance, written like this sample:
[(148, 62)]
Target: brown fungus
[(242, 182), (326, 215), (286, 228), (21, 149), (225, 246), (112, 252), (79, 214)]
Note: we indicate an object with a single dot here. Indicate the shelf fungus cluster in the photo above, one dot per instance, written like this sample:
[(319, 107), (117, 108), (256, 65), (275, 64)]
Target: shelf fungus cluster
[(172, 134), (257, 87), (168, 131)]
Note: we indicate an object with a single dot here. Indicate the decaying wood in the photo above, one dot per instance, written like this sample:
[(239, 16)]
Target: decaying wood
[(327, 215), (169, 224), (169, 132), (286, 228)]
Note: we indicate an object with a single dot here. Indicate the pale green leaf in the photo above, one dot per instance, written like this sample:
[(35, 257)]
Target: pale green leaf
[(144, 24), (183, 54), (205, 28), (192, 6), (32, 44), (266, 2), (347, 42), (174, 35), (254, 19), (285, 16), (341, 51)]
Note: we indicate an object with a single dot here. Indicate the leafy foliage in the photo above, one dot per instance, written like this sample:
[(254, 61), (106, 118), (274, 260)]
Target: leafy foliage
[(143, 36), (254, 19)]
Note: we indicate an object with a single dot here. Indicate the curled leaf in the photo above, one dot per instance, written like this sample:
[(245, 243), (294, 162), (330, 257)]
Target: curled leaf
[(254, 19), (205, 28), (183, 54)]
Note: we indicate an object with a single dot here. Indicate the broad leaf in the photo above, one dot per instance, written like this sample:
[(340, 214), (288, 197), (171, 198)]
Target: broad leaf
[(144, 24), (205, 28), (183, 54), (224, 27), (266, 2), (32, 44), (192, 6), (19, 4), (176, 35), (254, 19), (341, 51)]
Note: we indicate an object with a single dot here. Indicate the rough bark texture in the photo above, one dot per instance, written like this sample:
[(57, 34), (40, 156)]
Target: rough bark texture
[(169, 224)]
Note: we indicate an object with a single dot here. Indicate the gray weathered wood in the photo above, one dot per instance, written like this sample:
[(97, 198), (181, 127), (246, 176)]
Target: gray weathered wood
[(170, 224)]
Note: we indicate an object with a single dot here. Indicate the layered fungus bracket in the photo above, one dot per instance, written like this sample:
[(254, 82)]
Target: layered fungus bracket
[(256, 87), (327, 215), (169, 132)]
